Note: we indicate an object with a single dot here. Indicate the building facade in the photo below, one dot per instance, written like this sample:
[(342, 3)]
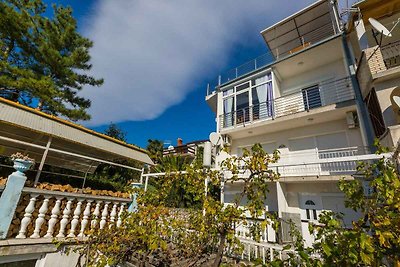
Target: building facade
[(311, 98)]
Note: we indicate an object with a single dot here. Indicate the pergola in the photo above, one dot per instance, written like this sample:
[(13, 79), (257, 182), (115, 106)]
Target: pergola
[(57, 142)]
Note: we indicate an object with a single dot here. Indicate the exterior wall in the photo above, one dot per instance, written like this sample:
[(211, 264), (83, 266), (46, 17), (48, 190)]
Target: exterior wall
[(231, 191), (283, 138), (59, 259), (334, 70)]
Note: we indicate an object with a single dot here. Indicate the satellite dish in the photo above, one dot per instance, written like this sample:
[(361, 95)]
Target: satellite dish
[(215, 139), (379, 27), (396, 100)]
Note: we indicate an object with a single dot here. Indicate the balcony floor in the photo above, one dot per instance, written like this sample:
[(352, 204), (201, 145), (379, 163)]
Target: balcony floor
[(305, 118)]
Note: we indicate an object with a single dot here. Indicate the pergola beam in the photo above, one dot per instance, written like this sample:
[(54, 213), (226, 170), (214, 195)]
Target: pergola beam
[(68, 153)]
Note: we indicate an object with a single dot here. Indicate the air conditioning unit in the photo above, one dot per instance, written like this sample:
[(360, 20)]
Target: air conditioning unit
[(352, 119), (227, 140)]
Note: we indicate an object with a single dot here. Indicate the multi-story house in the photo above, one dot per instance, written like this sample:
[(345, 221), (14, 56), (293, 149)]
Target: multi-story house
[(304, 99)]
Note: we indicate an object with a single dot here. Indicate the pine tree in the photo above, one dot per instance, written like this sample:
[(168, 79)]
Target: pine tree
[(44, 61)]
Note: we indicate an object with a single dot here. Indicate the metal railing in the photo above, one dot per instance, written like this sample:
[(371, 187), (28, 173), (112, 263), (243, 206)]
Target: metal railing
[(307, 39), (314, 162), (391, 54), (325, 93), (181, 150)]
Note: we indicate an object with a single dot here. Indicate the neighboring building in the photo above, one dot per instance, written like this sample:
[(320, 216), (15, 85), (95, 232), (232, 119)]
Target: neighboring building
[(303, 98), (189, 150)]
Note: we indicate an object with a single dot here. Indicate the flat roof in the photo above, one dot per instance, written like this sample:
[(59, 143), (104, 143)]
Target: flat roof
[(24, 129), (303, 28)]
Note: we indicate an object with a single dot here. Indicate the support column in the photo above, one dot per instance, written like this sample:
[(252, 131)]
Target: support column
[(10, 197), (282, 203), (367, 131), (42, 161)]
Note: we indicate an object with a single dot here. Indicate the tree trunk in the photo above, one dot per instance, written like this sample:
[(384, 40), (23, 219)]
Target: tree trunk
[(220, 251)]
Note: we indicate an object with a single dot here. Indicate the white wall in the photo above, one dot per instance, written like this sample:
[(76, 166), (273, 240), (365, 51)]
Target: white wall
[(333, 70), (353, 136)]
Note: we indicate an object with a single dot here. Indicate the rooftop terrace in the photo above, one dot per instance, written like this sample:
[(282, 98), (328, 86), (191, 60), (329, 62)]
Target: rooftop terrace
[(303, 30)]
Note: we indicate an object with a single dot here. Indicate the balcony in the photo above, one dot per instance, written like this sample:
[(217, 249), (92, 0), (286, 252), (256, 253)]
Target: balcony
[(332, 164), (384, 58), (325, 93), (303, 30)]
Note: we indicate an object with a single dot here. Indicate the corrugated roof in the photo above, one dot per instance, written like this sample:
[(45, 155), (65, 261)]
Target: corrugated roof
[(32, 124)]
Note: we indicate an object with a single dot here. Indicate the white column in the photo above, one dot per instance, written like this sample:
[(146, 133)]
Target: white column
[(96, 214), (27, 216), (104, 215), (121, 210), (64, 221), (113, 214), (75, 220), (85, 219), (40, 219), (54, 218)]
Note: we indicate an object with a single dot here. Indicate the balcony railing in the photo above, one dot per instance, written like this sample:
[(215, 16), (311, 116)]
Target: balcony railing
[(51, 214), (323, 94), (391, 54), (307, 39), (183, 150), (314, 162)]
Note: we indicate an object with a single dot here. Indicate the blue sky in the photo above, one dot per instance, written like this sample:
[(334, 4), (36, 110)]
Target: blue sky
[(157, 56)]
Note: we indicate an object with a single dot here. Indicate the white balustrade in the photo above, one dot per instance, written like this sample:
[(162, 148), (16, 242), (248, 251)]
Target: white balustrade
[(85, 219), (40, 219), (121, 210), (67, 205), (104, 215), (96, 215), (113, 214), (64, 221), (27, 216), (75, 219), (53, 218)]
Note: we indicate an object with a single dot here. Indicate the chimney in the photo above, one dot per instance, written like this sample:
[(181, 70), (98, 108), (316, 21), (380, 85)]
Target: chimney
[(179, 142)]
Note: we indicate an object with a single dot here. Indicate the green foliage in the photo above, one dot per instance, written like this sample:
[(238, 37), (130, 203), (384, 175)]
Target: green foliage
[(44, 60), (158, 231), (155, 149), (374, 239), (115, 132)]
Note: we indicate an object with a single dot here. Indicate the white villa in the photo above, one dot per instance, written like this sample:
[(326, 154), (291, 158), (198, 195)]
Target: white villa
[(317, 99)]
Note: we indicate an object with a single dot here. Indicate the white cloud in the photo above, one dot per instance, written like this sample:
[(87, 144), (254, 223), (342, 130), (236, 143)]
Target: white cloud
[(151, 52)]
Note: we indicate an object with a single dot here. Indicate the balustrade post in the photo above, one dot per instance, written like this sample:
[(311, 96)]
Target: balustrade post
[(104, 215), (64, 221), (27, 216), (75, 220), (85, 219), (96, 215), (11, 194), (40, 219), (121, 210), (113, 214), (53, 218)]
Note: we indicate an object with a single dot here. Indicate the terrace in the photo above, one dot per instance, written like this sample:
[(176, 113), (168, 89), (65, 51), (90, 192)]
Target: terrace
[(303, 30), (325, 93)]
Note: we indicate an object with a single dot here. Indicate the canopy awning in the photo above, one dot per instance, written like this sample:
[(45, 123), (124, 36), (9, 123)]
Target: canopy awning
[(304, 28), (70, 146)]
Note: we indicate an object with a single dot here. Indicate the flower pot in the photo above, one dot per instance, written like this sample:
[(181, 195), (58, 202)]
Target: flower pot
[(22, 165)]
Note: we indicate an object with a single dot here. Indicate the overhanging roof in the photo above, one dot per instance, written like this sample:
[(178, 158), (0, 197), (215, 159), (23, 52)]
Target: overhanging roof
[(303, 28), (376, 9), (23, 129)]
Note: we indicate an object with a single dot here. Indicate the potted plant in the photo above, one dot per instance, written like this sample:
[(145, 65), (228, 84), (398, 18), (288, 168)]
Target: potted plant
[(22, 162)]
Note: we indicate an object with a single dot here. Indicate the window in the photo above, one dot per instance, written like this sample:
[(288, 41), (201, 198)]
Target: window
[(248, 101), (375, 113), (311, 97), (310, 210)]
